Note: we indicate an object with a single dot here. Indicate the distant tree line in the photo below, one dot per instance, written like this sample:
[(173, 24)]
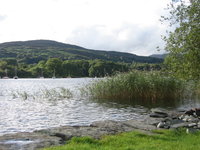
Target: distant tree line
[(69, 68)]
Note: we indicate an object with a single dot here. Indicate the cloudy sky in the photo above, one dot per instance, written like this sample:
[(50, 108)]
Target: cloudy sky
[(121, 25)]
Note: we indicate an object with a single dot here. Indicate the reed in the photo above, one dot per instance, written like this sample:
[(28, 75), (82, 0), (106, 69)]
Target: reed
[(56, 93), (47, 94), (138, 85)]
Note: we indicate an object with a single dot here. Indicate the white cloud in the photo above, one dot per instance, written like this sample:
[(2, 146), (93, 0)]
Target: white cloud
[(125, 25), (2, 17), (127, 38)]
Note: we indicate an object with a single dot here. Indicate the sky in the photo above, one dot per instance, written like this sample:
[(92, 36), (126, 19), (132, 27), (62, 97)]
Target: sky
[(131, 26)]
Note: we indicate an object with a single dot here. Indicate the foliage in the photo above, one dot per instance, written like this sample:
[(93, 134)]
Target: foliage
[(67, 68), (76, 68), (183, 44), (99, 68), (54, 64), (162, 139), (145, 66)]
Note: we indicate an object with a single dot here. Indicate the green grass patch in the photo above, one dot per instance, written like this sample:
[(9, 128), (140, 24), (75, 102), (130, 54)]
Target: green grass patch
[(161, 140)]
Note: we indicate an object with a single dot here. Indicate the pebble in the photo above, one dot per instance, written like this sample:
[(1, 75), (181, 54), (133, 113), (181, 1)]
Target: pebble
[(192, 124), (161, 125), (198, 125)]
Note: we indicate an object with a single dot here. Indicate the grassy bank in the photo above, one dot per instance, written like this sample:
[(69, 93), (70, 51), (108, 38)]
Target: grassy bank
[(162, 140), (138, 85)]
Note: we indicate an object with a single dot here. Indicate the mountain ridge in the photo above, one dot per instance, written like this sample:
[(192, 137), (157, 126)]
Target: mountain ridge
[(33, 51), (162, 56)]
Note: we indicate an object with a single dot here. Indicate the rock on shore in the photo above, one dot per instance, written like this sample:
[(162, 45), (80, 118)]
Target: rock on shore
[(189, 119), (56, 136)]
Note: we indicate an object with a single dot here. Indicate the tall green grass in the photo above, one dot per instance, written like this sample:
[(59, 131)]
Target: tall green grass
[(139, 85)]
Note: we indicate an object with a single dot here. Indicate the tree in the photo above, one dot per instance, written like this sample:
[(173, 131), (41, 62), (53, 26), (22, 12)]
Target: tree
[(3, 65), (183, 44), (39, 70), (54, 64), (100, 68), (11, 61), (75, 68)]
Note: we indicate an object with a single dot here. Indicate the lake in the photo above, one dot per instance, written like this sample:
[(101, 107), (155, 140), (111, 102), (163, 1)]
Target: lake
[(33, 104)]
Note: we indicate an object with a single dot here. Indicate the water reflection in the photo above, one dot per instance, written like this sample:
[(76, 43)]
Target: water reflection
[(148, 104)]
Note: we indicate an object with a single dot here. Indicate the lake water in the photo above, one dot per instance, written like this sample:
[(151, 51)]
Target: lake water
[(30, 104), (33, 104)]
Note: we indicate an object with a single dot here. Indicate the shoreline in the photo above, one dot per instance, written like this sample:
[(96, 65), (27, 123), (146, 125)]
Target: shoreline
[(158, 119)]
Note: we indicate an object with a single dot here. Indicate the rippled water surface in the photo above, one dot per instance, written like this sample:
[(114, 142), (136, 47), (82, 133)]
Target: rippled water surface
[(31, 104)]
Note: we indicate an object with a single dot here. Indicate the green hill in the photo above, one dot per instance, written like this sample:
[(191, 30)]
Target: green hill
[(31, 52), (162, 56)]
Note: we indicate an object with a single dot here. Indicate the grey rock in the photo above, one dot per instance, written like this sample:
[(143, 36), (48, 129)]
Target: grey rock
[(152, 121), (193, 120), (27, 141), (190, 119), (190, 112), (181, 117), (180, 125), (158, 115), (186, 118), (181, 110), (95, 130), (174, 115), (198, 112), (142, 125), (176, 121), (168, 121), (163, 125), (193, 111), (159, 111), (198, 125), (192, 124)]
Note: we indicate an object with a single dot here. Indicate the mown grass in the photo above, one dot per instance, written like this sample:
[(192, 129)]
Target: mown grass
[(138, 85), (162, 140)]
